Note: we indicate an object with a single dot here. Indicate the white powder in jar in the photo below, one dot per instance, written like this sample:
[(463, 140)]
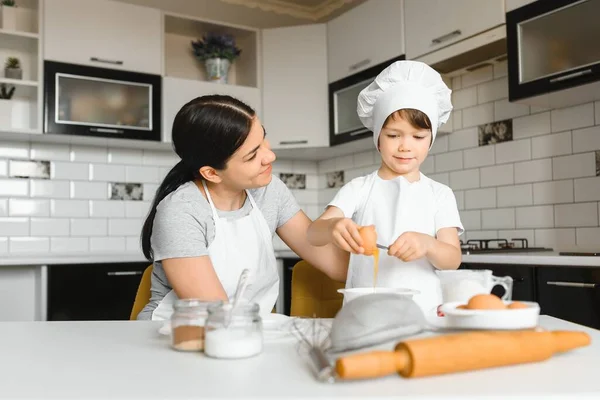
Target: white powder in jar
[(232, 343)]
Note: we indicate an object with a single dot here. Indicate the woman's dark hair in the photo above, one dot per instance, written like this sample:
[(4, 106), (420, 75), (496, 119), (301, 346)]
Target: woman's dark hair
[(206, 132)]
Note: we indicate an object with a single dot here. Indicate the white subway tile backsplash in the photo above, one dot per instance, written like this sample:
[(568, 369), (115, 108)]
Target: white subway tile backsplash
[(344, 162), (440, 145), (460, 199), (89, 154), (3, 245), (132, 243), (61, 245), (479, 157), (464, 139), (107, 244), (480, 198), (313, 212), (89, 190), (160, 158), (14, 187), (149, 191), (49, 227), (481, 114), (553, 192), (577, 214), (69, 208), (557, 144), (69, 170), (428, 166), (107, 208), (500, 69), (304, 167), (478, 76), (364, 159), (49, 151), (14, 150), (307, 196), (535, 217), (464, 98), (312, 182), (565, 119), (107, 173), (457, 119), (449, 161), (89, 227), (481, 235), (326, 195), (586, 139), (555, 238), (137, 209), (28, 208), (282, 166), (326, 166), (124, 227), (3, 207), (575, 166), (465, 179), (441, 178), (597, 112), (531, 125), (499, 218), (588, 237), (512, 151), (533, 171), (519, 195), (456, 83), (528, 234), (348, 176), (471, 220), (26, 245), (14, 226), (125, 156), (503, 109), (49, 189), (587, 189), (141, 174), (493, 90), (3, 168), (497, 175)]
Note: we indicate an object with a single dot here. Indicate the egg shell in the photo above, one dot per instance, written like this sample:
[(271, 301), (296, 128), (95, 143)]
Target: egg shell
[(369, 237), (516, 305), (485, 302)]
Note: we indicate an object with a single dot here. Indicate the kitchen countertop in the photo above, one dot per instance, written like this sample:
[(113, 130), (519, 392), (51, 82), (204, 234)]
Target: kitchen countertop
[(130, 360), (532, 258)]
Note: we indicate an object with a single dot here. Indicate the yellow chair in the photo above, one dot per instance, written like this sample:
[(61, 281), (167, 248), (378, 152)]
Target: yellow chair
[(314, 294), (142, 297)]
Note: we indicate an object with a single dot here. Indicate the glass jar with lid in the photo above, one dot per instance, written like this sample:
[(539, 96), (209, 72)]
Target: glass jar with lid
[(233, 332), (187, 324)]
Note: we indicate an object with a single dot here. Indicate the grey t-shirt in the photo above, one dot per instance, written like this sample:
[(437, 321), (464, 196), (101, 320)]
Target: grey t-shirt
[(184, 227)]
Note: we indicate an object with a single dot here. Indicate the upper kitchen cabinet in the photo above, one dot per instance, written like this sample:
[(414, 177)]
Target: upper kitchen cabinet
[(103, 33), (294, 86), (364, 36), (434, 24)]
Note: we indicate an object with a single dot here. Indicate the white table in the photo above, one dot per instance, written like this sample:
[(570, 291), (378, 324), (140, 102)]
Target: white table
[(129, 360)]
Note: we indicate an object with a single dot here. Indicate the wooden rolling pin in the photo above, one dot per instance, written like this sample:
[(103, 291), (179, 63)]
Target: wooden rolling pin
[(460, 352)]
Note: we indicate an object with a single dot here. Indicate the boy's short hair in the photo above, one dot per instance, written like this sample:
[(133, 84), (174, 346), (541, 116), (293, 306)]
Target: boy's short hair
[(418, 119)]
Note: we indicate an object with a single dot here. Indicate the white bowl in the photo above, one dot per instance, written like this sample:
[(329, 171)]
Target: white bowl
[(353, 293), (520, 318)]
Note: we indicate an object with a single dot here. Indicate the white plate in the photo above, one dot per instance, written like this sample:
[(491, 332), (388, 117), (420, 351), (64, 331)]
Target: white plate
[(522, 318)]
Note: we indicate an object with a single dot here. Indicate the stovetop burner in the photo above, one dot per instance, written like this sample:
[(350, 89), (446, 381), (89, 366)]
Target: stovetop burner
[(482, 246)]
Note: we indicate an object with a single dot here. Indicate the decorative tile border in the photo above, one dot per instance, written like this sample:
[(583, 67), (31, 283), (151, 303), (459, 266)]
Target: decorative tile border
[(294, 181), (29, 169), (126, 191), (495, 132), (335, 179)]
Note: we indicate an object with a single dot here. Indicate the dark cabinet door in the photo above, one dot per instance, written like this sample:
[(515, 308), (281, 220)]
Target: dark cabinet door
[(523, 279), (93, 291), (570, 293)]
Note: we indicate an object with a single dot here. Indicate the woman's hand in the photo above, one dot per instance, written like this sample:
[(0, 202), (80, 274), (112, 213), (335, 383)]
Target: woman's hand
[(344, 234), (411, 246)]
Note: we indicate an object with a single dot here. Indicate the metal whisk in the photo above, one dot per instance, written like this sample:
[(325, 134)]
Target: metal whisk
[(313, 340)]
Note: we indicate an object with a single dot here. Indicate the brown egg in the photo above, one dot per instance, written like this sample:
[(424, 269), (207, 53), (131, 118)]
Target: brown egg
[(369, 237), (485, 302), (462, 307), (516, 305)]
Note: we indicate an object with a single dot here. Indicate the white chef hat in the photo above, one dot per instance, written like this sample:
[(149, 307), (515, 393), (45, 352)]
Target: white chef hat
[(404, 84)]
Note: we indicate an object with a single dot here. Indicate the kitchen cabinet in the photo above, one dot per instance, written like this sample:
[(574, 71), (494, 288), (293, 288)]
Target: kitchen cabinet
[(570, 293), (433, 24), (103, 33), (177, 92), (514, 4), (364, 36), (20, 293), (523, 279), (294, 86)]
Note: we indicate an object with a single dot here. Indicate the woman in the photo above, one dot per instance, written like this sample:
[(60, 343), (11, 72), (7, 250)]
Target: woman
[(216, 211)]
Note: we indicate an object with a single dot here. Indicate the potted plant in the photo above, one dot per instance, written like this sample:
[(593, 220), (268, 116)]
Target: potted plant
[(9, 15), (12, 68), (217, 51), (5, 106)]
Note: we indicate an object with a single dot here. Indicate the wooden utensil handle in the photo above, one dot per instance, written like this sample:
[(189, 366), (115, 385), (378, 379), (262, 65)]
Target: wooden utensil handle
[(372, 365)]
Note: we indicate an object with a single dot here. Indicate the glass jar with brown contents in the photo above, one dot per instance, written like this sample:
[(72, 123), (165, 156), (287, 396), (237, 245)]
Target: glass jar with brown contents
[(187, 324)]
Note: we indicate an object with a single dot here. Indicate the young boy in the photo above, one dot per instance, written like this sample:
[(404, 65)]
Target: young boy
[(415, 216)]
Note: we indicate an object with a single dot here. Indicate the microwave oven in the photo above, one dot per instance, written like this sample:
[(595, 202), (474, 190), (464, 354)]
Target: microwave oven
[(344, 124), (92, 101)]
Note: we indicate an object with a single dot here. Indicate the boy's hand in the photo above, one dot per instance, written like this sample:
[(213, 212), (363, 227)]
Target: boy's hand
[(344, 234), (410, 246)]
